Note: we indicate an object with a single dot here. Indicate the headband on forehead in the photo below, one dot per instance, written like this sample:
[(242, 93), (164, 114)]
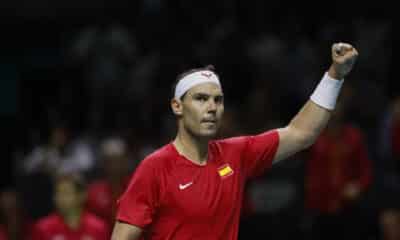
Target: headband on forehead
[(194, 79)]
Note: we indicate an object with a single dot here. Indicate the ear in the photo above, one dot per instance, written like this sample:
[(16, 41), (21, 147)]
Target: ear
[(176, 106)]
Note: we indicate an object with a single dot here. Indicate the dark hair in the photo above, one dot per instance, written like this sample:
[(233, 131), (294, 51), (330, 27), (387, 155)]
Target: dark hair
[(187, 72)]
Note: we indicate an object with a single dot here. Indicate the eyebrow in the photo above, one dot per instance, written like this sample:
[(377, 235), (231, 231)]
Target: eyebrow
[(202, 94)]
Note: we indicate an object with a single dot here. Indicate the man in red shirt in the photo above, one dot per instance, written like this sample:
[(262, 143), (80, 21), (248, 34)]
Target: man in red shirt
[(338, 173), (16, 224), (70, 222), (103, 192), (339, 169), (192, 188)]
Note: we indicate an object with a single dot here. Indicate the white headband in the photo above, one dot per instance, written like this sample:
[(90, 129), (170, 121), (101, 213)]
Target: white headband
[(193, 79)]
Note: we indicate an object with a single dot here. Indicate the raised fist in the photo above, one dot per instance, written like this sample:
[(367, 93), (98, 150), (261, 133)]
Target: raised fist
[(344, 56)]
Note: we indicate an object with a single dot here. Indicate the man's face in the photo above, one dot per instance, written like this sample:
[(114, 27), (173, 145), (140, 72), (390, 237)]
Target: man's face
[(202, 109), (67, 196)]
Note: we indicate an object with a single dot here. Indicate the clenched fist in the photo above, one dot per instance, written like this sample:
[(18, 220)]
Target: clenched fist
[(344, 56)]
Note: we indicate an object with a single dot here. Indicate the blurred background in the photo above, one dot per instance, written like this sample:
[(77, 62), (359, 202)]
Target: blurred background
[(85, 89)]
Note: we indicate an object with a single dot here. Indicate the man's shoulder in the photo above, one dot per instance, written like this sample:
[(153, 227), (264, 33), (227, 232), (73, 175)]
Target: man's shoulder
[(230, 142), (159, 157), (239, 142), (93, 221), (48, 222)]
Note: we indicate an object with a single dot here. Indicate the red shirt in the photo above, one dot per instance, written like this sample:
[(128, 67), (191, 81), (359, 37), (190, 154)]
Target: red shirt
[(171, 197), (334, 162), (101, 199), (53, 227)]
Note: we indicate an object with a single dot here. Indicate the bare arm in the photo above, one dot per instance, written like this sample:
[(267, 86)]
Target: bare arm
[(302, 130), (124, 231), (306, 126)]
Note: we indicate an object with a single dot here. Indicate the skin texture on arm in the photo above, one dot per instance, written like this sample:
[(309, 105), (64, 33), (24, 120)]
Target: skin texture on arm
[(302, 130), (306, 126), (124, 231)]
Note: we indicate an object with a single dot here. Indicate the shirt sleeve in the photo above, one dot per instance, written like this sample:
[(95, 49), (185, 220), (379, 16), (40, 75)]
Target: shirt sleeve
[(259, 152), (138, 203), (256, 152)]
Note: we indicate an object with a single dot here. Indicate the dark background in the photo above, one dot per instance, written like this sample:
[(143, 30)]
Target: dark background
[(35, 36), (45, 77)]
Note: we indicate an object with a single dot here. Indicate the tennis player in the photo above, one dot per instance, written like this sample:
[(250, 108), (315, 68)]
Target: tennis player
[(192, 188)]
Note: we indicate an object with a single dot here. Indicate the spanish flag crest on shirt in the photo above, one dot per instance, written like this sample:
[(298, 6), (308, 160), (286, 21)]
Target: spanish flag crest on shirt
[(225, 170)]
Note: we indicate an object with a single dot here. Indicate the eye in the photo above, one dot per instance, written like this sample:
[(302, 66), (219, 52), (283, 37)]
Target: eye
[(219, 99), (201, 98)]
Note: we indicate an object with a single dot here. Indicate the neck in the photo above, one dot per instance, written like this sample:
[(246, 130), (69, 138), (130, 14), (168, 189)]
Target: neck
[(193, 148), (72, 218)]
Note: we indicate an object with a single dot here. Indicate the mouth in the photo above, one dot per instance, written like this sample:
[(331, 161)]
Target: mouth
[(209, 121)]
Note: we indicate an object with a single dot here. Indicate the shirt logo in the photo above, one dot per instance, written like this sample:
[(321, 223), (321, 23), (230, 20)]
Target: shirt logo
[(183, 186), (225, 171), (207, 75)]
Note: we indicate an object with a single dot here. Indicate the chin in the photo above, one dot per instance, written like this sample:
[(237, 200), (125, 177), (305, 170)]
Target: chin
[(208, 134)]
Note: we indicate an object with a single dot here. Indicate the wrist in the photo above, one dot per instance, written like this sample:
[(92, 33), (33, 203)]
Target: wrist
[(327, 91), (333, 73)]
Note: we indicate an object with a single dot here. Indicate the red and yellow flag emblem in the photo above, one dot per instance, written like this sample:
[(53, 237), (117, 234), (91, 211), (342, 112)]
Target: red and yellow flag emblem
[(225, 170)]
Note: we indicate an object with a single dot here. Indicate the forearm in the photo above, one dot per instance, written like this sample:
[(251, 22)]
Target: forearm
[(307, 124), (313, 117)]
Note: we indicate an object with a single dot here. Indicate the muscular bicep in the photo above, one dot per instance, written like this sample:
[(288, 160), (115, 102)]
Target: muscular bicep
[(302, 130), (291, 141), (124, 231)]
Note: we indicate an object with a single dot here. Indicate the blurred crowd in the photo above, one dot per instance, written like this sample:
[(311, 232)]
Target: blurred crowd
[(102, 104)]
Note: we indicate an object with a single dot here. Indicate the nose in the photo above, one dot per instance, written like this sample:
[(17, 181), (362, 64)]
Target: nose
[(212, 106)]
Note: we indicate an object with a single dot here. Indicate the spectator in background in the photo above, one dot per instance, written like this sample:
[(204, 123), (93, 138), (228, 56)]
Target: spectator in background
[(103, 193), (389, 218), (60, 153), (390, 138), (46, 158), (15, 223), (70, 221), (338, 172)]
